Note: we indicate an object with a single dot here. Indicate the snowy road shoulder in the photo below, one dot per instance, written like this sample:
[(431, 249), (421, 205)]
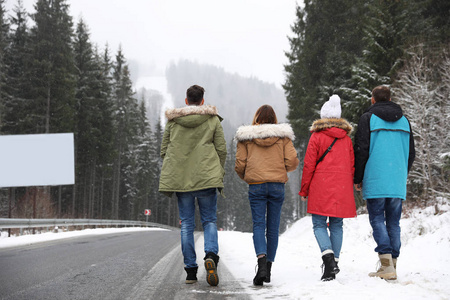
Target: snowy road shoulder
[(14, 241)]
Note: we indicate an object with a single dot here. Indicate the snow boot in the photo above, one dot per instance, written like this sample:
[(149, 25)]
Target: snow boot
[(394, 261), (386, 269), (262, 271), (211, 261), (337, 270), (331, 268), (269, 268), (191, 275)]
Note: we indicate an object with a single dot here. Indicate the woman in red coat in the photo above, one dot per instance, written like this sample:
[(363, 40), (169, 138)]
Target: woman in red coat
[(327, 182)]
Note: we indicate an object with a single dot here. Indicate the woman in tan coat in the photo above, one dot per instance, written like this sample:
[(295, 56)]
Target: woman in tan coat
[(264, 155)]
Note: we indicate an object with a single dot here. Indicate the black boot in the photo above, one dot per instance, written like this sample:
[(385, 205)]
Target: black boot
[(269, 268), (191, 275), (211, 261), (331, 268), (262, 271), (337, 270)]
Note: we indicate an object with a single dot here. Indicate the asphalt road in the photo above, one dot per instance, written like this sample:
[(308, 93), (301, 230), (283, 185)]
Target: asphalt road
[(137, 265)]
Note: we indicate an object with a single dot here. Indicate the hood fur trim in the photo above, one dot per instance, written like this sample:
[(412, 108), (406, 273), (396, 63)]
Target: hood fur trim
[(251, 132), (173, 113), (322, 124)]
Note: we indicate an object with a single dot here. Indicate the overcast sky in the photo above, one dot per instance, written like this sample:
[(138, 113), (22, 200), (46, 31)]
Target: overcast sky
[(248, 37)]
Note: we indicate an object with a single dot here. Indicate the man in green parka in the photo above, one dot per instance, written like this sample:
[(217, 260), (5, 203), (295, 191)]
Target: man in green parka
[(194, 152)]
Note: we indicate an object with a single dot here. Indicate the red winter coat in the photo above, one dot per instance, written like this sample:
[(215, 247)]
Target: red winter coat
[(329, 186)]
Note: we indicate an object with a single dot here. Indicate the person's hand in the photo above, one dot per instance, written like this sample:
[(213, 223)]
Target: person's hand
[(304, 198), (358, 186)]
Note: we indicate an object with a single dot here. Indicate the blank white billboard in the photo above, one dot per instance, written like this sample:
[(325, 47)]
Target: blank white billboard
[(37, 160)]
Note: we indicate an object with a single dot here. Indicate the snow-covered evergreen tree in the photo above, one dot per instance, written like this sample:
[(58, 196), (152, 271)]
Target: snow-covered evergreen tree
[(420, 89)]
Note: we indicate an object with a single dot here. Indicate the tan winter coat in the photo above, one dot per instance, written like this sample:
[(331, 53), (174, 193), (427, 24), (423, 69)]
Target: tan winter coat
[(265, 153)]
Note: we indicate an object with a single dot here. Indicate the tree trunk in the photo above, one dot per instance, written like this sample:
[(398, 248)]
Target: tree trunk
[(47, 115), (74, 196), (101, 196)]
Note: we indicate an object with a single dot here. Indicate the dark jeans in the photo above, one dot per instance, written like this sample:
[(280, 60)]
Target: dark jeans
[(384, 216), (266, 200)]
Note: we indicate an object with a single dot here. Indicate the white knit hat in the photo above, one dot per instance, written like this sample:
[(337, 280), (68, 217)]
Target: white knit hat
[(331, 108)]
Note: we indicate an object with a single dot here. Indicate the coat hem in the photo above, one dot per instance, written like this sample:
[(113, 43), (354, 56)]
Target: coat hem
[(331, 215)]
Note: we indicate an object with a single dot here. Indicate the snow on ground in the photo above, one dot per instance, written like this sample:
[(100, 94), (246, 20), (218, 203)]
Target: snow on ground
[(423, 267), (23, 240)]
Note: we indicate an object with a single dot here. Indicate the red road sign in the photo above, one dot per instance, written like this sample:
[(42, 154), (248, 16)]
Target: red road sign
[(147, 212)]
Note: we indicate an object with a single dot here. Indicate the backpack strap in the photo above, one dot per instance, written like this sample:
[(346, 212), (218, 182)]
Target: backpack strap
[(326, 152)]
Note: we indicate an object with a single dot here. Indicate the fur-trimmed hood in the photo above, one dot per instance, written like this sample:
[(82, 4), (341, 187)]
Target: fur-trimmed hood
[(173, 113), (252, 132), (322, 124), (192, 115)]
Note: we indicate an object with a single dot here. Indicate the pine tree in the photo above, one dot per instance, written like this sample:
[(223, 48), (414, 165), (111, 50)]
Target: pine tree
[(301, 106), (52, 75), (144, 167), (158, 199), (126, 140), (437, 13), (4, 43), (389, 28), (16, 112), (94, 122), (326, 42), (104, 129)]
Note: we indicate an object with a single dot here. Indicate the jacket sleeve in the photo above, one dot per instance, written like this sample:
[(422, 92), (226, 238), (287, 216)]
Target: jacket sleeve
[(361, 147), (220, 143), (352, 156), (165, 141), (309, 165), (412, 149), (290, 156), (241, 159)]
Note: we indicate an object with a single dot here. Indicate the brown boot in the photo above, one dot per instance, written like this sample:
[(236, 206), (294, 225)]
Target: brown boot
[(386, 270)]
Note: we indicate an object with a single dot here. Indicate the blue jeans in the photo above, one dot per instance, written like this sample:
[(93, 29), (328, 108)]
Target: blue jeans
[(207, 204), (266, 198), (333, 241), (384, 217)]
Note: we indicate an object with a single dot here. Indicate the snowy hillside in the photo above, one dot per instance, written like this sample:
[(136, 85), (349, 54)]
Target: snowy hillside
[(423, 267)]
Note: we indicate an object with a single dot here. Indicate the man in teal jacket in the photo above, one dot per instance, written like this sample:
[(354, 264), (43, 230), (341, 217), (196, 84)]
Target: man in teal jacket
[(384, 153), (194, 152)]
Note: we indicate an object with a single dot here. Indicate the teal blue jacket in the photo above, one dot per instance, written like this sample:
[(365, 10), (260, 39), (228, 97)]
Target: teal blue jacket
[(384, 151)]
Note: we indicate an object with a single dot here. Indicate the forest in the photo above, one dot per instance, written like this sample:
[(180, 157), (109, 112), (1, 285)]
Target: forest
[(350, 47), (55, 79)]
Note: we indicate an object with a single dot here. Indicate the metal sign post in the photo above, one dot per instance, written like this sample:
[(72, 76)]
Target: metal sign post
[(147, 212)]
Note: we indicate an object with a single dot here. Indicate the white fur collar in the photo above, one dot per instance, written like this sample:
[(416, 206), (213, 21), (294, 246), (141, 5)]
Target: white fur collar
[(174, 113), (250, 132)]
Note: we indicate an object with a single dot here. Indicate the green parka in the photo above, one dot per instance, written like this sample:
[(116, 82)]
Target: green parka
[(193, 150)]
